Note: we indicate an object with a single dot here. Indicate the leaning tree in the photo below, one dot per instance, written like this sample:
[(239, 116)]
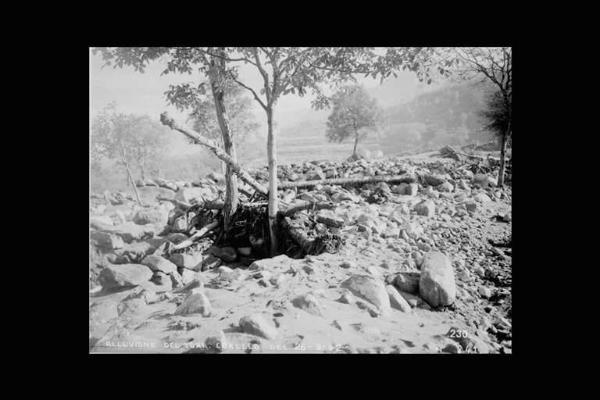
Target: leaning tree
[(211, 63)]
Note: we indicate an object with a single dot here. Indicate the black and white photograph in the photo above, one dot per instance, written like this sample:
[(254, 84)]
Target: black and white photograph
[(300, 200)]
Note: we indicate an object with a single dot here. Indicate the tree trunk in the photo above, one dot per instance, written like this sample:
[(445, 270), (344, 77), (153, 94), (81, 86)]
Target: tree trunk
[(503, 156), (231, 194), (355, 144), (143, 172), (273, 206), (137, 195)]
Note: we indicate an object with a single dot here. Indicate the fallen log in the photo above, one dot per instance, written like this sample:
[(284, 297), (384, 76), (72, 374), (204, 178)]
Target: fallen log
[(305, 205), (244, 176), (203, 231), (406, 178)]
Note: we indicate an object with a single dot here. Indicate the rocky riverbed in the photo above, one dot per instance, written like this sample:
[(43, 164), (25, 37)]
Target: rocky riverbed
[(425, 267)]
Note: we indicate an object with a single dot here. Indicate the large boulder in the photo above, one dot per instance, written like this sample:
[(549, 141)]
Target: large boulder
[(370, 289), (437, 285), (124, 275)]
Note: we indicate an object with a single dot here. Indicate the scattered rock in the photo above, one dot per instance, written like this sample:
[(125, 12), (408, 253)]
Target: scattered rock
[(216, 343), (257, 324), (124, 275), (187, 275), (407, 282), (107, 241), (195, 303), (210, 262), (396, 300), (433, 180), (482, 198), (158, 263), (309, 303), (425, 208), (151, 216), (227, 254), (100, 220), (329, 218), (445, 187), (189, 261), (485, 292), (162, 280), (413, 300), (346, 297), (244, 251), (176, 280)]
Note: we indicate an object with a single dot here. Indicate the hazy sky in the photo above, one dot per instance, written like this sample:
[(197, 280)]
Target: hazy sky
[(139, 93)]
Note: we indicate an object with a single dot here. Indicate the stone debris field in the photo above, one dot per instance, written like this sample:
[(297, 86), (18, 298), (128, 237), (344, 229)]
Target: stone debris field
[(422, 266)]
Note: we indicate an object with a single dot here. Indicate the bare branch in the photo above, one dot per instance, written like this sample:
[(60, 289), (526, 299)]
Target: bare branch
[(263, 73), (252, 91)]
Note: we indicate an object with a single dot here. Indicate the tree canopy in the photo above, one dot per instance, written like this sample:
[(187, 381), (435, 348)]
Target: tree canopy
[(202, 112), (354, 113)]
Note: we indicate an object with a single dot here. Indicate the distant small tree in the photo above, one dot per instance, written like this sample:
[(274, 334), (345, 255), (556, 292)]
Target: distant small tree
[(128, 139), (354, 114)]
